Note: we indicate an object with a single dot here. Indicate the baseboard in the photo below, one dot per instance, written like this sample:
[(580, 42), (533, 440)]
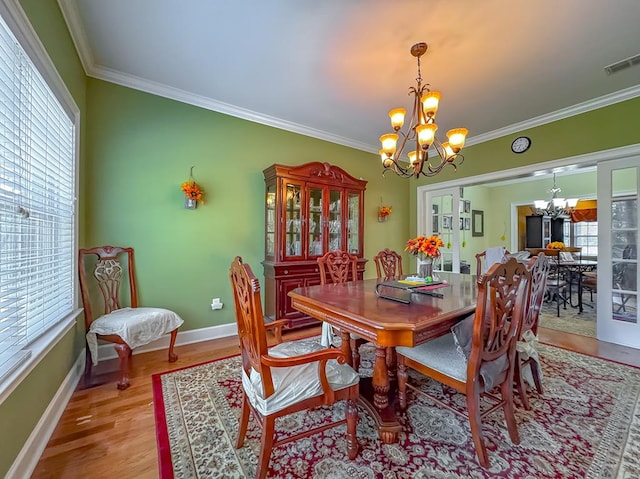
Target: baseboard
[(106, 350), (28, 458)]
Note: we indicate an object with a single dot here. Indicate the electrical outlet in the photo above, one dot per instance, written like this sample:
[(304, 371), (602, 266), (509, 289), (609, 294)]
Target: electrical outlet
[(216, 304)]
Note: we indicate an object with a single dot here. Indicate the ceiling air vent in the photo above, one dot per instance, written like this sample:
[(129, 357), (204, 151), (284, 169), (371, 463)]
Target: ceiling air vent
[(622, 64)]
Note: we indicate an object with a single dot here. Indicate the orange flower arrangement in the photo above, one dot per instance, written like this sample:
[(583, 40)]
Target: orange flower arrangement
[(555, 245), (384, 211), (192, 190), (425, 247)]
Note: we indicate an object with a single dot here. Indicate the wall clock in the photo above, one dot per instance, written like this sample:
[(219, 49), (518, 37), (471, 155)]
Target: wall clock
[(521, 144)]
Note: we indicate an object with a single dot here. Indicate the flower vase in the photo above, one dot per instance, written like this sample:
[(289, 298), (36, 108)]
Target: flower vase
[(425, 268), (190, 203)]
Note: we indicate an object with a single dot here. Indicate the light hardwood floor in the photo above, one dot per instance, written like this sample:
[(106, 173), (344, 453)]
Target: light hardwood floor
[(106, 433)]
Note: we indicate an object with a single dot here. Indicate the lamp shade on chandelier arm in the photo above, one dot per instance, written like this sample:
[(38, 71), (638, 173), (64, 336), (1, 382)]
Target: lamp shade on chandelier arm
[(429, 155)]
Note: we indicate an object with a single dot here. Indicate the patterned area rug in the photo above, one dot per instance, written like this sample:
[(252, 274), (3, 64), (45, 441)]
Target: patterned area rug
[(569, 321), (587, 425)]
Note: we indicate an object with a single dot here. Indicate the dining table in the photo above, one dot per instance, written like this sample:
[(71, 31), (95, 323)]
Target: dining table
[(388, 313)]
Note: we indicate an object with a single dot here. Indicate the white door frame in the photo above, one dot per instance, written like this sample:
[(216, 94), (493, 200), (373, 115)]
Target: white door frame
[(609, 329)]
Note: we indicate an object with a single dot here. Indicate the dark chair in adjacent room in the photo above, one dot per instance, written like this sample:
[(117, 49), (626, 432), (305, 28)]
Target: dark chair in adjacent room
[(589, 285), (557, 288), (388, 264), (287, 378), (113, 281), (485, 356), (526, 347)]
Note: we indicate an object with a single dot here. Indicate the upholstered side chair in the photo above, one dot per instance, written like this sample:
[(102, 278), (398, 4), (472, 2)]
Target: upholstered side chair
[(113, 282), (477, 358), (287, 378), (527, 368)]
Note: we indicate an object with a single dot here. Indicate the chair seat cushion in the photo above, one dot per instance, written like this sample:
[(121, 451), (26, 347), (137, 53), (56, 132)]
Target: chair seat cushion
[(296, 383), (136, 327), (441, 354)]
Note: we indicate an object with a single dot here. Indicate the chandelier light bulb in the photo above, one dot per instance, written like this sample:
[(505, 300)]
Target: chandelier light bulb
[(457, 137), (389, 142), (397, 118), (426, 134), (386, 161), (448, 150), (430, 103)]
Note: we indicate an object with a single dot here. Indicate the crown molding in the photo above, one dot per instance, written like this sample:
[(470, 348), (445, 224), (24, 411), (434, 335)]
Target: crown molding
[(593, 104), (165, 91), (72, 17)]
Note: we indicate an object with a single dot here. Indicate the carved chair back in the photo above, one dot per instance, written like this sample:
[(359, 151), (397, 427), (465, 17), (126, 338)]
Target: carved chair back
[(388, 263), (539, 266), (503, 296), (338, 267), (250, 321), (113, 263)]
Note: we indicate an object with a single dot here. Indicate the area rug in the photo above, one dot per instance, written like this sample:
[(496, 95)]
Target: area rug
[(586, 425), (570, 320)]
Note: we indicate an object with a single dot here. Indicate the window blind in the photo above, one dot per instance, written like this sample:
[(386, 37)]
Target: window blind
[(37, 178)]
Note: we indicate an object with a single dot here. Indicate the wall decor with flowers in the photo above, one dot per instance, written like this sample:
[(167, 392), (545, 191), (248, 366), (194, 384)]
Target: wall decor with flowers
[(193, 192), (383, 213)]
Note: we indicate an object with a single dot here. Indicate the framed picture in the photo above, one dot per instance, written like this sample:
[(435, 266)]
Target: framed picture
[(477, 223), (467, 206), (446, 222), (461, 223), (467, 223)]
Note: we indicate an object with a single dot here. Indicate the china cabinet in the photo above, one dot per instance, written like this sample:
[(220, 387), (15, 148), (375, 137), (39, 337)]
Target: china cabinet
[(309, 209), (542, 230)]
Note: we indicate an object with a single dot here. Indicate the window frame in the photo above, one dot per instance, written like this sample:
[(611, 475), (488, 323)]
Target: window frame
[(18, 23)]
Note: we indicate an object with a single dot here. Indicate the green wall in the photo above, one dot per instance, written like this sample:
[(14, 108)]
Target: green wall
[(141, 148), (137, 148)]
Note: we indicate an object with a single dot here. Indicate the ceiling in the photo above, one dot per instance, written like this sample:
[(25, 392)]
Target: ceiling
[(333, 69)]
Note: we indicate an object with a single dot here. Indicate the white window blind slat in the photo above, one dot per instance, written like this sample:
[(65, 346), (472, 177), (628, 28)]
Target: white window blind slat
[(37, 184)]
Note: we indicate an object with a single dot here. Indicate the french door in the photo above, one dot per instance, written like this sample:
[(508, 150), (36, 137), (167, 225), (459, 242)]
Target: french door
[(443, 220), (618, 272)]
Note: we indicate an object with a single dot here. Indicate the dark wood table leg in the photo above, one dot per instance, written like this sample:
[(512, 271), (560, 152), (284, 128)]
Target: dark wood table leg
[(378, 397)]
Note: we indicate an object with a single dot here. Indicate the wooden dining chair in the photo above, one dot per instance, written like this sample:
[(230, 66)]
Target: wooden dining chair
[(339, 267), (287, 378), (388, 264), (112, 282), (485, 360), (527, 363)]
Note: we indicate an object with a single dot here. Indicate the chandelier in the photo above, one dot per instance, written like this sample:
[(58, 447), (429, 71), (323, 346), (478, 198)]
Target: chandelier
[(556, 206), (421, 130)]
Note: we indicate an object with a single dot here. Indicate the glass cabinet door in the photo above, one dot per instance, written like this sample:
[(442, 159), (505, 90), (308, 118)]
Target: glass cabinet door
[(316, 233), (293, 220), (335, 220), (270, 221), (353, 222)]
